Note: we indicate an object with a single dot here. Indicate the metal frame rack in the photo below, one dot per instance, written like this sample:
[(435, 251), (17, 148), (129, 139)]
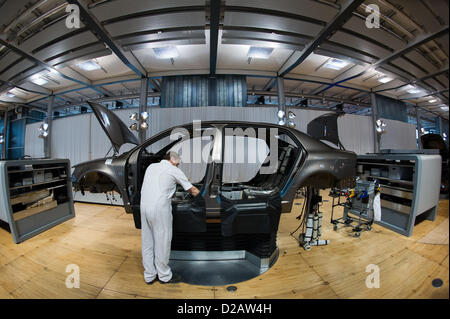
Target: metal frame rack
[(359, 203), (35, 195), (410, 185)]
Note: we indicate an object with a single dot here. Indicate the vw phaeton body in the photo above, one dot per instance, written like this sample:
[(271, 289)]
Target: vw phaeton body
[(247, 173)]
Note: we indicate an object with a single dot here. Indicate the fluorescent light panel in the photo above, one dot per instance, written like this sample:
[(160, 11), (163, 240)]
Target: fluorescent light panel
[(259, 52), (384, 79), (414, 91), (88, 65), (335, 64), (166, 52), (39, 81)]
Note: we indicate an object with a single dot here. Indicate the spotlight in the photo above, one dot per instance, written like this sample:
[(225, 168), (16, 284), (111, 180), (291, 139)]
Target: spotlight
[(44, 126), (291, 115), (291, 124), (43, 130), (2, 138), (143, 126), (380, 125), (134, 127), (144, 116), (281, 122), (134, 117), (281, 114)]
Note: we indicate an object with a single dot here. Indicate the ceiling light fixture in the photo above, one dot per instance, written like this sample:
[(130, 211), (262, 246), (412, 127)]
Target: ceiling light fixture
[(88, 66), (414, 90), (259, 52), (335, 64), (39, 81), (166, 52), (432, 101), (10, 95), (384, 79), (445, 108)]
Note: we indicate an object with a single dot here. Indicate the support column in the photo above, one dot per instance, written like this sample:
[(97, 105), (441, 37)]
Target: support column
[(281, 98), (440, 125), (143, 107), (5, 135), (376, 139), (48, 139), (419, 128)]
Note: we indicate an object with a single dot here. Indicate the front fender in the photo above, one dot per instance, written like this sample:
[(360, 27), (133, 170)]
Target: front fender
[(111, 168)]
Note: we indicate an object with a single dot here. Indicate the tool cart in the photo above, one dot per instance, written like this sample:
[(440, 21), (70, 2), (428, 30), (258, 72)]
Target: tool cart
[(358, 206)]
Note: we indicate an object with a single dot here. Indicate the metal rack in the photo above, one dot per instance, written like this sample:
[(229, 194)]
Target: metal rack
[(359, 203), (410, 185), (35, 196)]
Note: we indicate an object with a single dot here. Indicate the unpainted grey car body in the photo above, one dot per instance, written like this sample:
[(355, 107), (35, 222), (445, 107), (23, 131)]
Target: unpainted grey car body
[(311, 163)]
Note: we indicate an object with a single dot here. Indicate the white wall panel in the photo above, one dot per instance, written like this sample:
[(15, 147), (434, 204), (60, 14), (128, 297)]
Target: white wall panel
[(70, 138), (81, 138), (34, 146), (399, 136)]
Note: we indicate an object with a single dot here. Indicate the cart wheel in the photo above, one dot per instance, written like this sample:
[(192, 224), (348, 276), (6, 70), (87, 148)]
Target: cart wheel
[(348, 221), (335, 227), (307, 247), (369, 228), (357, 234)]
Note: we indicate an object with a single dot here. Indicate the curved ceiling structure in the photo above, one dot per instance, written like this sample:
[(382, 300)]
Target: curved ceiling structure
[(322, 48)]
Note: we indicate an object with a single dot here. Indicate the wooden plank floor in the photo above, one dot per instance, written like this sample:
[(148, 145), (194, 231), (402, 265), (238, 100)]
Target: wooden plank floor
[(103, 242)]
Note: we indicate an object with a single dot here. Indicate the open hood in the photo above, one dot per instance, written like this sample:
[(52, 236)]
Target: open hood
[(325, 127), (115, 129)]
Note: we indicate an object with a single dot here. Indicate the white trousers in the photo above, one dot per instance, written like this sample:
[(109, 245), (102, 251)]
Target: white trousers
[(156, 234)]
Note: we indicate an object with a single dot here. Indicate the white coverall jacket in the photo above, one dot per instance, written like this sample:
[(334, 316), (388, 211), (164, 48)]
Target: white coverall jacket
[(158, 187)]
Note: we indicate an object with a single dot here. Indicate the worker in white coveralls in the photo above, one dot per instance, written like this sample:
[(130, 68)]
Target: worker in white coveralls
[(159, 185)]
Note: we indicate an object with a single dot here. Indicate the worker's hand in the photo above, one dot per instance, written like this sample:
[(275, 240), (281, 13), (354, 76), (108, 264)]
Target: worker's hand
[(194, 191)]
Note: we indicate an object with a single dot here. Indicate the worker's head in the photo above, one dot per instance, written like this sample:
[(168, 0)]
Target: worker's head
[(173, 158)]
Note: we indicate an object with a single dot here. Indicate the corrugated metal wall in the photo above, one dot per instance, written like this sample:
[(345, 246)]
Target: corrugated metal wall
[(392, 109), (201, 90)]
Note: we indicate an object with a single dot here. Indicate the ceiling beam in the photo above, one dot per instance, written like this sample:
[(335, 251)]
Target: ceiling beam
[(386, 87), (299, 56), (92, 23), (413, 97), (308, 96), (68, 74), (358, 71)]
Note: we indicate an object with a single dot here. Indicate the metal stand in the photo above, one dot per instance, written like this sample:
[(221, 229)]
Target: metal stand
[(312, 222), (359, 202)]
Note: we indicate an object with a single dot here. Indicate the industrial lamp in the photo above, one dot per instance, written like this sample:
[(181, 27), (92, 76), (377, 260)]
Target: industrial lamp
[(43, 130), (2, 138), (291, 124), (291, 115), (380, 127), (141, 118)]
